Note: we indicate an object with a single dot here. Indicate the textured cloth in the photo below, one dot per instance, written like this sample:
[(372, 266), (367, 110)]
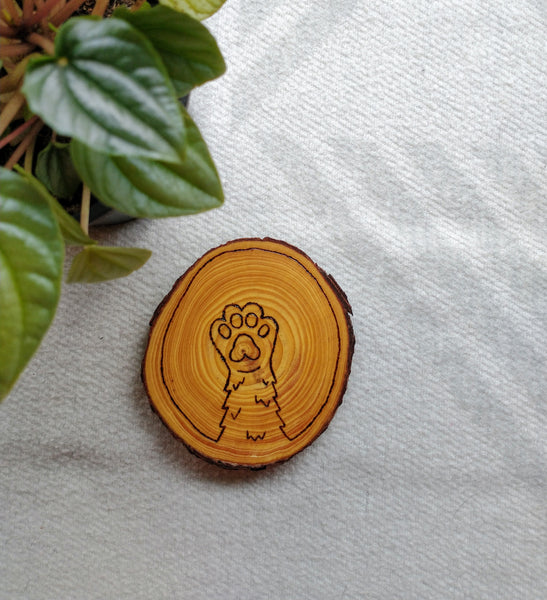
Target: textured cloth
[(402, 145)]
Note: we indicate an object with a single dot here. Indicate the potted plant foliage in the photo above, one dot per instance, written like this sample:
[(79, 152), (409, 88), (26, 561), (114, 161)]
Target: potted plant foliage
[(89, 107)]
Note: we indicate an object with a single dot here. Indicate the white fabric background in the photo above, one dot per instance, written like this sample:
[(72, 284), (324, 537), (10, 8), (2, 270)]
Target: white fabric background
[(402, 145)]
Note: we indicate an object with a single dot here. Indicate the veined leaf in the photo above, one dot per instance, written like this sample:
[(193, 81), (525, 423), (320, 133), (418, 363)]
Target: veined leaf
[(144, 188), (102, 263), (199, 9), (31, 262), (107, 86), (71, 231), (55, 170), (189, 52)]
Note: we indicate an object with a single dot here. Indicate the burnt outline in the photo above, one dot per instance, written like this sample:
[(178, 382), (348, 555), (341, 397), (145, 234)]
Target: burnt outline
[(177, 307), (223, 319)]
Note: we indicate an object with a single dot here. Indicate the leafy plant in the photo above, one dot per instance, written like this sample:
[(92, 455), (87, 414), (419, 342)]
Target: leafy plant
[(90, 106)]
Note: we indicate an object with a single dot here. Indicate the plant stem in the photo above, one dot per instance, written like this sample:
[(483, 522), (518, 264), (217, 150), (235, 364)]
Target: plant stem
[(15, 49), (18, 131), (29, 155), (42, 12), (84, 210), (42, 41), (21, 149), (28, 8), (43, 21), (11, 82), (13, 9), (7, 31), (10, 110), (100, 8), (66, 12)]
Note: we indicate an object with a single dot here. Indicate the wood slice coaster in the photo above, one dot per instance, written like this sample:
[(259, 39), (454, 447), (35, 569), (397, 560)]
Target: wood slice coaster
[(249, 354)]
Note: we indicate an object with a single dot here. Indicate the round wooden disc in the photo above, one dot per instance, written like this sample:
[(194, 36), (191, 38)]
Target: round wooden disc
[(249, 354)]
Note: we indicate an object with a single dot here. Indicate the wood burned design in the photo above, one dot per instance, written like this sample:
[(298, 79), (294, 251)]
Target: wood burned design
[(245, 339), (249, 354)]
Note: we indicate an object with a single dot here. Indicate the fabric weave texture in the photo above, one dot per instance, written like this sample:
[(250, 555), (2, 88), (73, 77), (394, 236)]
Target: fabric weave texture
[(403, 146)]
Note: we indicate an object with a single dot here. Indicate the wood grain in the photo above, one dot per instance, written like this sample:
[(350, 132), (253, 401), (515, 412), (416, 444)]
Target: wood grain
[(249, 354)]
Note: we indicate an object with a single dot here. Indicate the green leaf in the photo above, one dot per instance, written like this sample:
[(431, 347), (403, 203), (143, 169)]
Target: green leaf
[(189, 52), (199, 9), (71, 231), (107, 87), (101, 263), (55, 170), (144, 188), (31, 263)]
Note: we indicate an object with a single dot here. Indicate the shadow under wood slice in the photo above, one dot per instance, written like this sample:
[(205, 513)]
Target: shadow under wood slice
[(249, 354)]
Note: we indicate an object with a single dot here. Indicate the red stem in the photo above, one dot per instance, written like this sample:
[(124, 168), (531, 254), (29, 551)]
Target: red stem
[(25, 143), (28, 8), (15, 49), (41, 12), (65, 12), (7, 31), (43, 22), (42, 41), (18, 131), (13, 10)]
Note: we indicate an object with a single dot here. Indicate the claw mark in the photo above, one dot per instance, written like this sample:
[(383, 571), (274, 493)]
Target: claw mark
[(262, 401), (236, 384)]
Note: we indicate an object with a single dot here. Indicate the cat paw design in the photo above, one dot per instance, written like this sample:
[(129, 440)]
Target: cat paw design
[(245, 337)]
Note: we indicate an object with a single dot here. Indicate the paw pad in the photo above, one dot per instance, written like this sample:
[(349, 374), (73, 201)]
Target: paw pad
[(244, 335)]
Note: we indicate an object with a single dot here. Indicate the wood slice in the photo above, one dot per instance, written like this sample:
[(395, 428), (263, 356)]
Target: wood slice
[(249, 354)]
